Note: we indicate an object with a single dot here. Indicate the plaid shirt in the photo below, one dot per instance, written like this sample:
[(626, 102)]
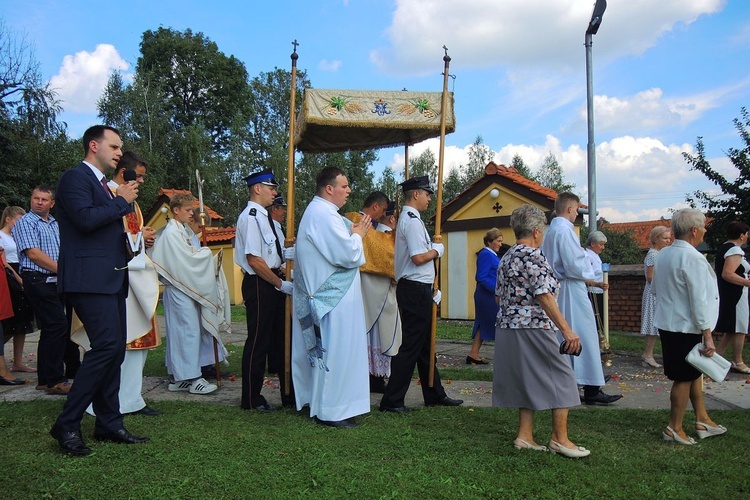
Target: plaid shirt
[(31, 231)]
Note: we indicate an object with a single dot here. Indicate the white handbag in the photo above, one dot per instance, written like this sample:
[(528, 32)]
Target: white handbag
[(715, 367)]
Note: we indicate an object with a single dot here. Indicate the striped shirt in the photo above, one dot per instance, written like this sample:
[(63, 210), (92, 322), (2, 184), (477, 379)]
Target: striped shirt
[(31, 231)]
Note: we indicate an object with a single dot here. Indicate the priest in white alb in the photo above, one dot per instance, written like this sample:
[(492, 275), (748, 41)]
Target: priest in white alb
[(329, 345)]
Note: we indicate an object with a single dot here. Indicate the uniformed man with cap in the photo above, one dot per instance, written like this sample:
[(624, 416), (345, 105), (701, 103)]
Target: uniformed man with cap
[(258, 251), (415, 273)]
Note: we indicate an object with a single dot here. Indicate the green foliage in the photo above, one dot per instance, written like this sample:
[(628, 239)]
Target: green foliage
[(550, 175), (479, 156), (518, 163), (733, 203), (34, 148), (622, 247), (426, 164), (388, 184), (453, 185)]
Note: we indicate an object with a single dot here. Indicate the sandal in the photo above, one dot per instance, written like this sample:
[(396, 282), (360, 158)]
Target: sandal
[(670, 435), (520, 444), (740, 368), (649, 362)]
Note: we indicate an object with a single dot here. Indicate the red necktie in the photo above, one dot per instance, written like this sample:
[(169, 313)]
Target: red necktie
[(106, 188)]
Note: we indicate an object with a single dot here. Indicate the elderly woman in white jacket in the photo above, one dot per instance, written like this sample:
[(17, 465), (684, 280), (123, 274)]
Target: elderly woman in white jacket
[(687, 307)]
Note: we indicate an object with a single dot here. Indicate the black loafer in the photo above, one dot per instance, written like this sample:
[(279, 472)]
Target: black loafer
[(265, 408), (146, 410), (120, 436), (446, 401), (394, 409), (349, 423), (601, 399), (71, 442), (15, 381)]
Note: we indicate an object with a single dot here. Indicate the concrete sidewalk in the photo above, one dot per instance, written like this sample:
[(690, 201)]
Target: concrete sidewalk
[(641, 388)]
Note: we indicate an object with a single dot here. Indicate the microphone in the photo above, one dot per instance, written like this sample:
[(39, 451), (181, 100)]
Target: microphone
[(127, 176)]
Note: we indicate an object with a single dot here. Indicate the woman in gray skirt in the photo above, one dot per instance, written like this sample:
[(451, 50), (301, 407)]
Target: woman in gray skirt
[(530, 372)]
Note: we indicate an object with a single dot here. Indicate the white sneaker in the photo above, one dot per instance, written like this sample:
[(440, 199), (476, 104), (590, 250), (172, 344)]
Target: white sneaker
[(202, 386), (183, 385)]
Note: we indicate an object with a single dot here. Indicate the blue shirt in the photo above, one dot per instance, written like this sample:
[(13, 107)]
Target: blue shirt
[(31, 231)]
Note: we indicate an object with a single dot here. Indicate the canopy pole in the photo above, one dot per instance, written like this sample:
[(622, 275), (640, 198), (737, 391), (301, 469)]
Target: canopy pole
[(439, 212), (289, 241), (406, 161)]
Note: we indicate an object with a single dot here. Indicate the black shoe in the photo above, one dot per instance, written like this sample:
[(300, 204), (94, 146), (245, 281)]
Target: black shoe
[(265, 408), (472, 361), (446, 401), (394, 409), (15, 381), (120, 436), (146, 410), (600, 398), (71, 442), (349, 423)]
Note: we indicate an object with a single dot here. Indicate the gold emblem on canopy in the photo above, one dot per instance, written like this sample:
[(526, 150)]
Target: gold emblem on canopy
[(339, 120)]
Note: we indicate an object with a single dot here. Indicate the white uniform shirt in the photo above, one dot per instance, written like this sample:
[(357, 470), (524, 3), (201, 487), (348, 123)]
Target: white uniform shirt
[(255, 237), (412, 239)]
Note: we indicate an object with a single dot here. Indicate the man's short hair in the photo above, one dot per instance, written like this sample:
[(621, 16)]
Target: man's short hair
[(43, 188), (95, 133), (376, 197), (327, 177), (181, 200), (128, 161), (563, 200)]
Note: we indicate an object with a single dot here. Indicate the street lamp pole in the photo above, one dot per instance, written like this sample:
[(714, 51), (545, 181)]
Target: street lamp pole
[(596, 20)]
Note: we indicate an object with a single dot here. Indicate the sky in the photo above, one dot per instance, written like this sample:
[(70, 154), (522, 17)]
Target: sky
[(664, 73)]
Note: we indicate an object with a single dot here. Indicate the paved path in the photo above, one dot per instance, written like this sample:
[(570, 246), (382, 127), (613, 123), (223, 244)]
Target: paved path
[(642, 388)]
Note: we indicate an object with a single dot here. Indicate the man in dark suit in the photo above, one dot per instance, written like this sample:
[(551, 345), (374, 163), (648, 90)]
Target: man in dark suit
[(92, 273)]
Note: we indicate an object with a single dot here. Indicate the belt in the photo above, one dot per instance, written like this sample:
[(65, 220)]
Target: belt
[(36, 273), (414, 283), (278, 272)]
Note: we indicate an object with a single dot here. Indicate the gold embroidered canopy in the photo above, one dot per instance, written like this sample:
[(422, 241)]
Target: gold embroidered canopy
[(338, 120)]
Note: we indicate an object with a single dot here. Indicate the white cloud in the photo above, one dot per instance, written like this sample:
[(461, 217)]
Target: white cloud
[(83, 76), (651, 110), (481, 33), (326, 65), (638, 178)]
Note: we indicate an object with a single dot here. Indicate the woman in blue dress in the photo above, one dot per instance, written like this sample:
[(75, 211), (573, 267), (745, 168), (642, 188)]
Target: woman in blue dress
[(485, 305)]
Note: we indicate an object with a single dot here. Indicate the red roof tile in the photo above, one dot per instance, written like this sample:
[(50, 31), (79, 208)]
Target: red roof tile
[(640, 229), (512, 174), (171, 192)]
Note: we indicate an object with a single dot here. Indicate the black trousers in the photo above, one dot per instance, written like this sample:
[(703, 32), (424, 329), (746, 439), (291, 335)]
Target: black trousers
[(415, 304), (49, 309), (263, 307), (98, 379)]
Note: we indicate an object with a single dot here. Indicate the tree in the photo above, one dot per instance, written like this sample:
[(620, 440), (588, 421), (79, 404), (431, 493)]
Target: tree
[(199, 83), (34, 148), (388, 184), (479, 156), (550, 175), (518, 163), (734, 201), (425, 164), (452, 186), (622, 247)]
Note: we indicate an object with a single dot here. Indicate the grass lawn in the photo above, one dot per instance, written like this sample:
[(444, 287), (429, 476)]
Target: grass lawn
[(211, 451), (202, 451)]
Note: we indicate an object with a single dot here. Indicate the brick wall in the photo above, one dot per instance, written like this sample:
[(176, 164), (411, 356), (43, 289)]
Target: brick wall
[(625, 293)]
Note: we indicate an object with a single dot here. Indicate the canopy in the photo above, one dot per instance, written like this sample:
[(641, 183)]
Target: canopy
[(338, 120)]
